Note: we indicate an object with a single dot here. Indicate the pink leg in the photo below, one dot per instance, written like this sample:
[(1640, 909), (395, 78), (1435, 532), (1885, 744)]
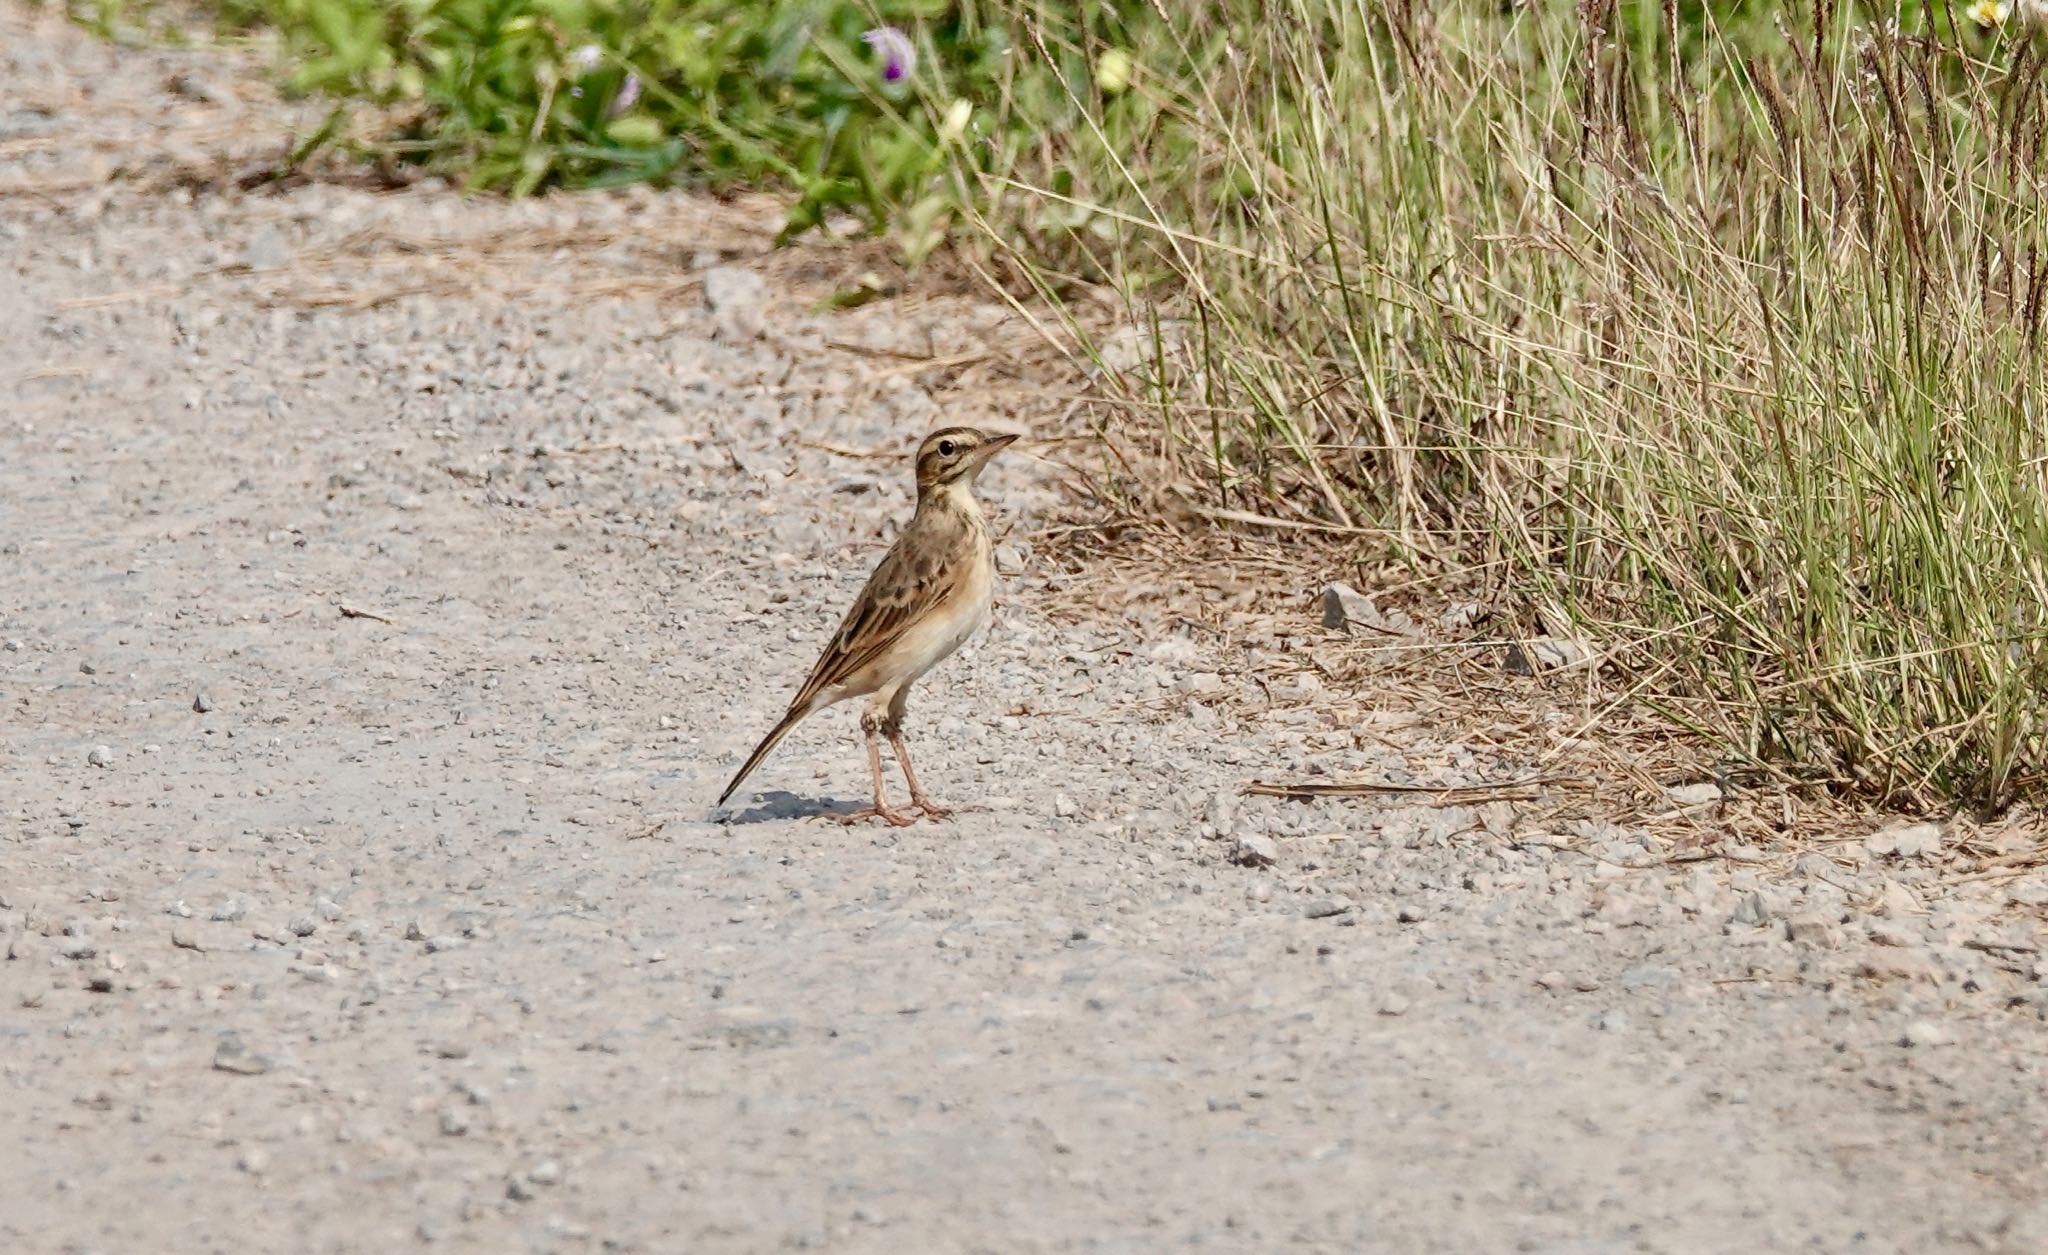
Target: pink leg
[(880, 810), (917, 795)]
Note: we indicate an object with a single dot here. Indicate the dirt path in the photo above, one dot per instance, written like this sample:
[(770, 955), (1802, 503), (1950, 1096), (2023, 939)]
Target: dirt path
[(422, 930)]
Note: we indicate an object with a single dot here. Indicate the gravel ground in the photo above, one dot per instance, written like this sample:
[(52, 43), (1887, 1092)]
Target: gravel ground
[(371, 661)]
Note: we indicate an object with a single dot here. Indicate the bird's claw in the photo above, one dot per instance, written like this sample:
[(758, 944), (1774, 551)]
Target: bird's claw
[(895, 819)]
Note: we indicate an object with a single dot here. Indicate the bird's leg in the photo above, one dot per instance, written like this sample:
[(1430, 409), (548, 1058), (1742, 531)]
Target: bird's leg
[(880, 810), (917, 795)]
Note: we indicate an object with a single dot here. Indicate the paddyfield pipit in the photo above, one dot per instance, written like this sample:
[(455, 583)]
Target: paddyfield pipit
[(927, 596)]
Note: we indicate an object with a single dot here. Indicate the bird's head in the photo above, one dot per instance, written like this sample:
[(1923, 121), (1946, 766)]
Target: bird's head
[(955, 455)]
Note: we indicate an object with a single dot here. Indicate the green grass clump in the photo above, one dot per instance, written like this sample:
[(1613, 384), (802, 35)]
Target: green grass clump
[(517, 95), (1718, 328)]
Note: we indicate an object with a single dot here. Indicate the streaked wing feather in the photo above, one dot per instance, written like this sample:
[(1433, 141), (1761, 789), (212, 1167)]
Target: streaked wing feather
[(908, 582)]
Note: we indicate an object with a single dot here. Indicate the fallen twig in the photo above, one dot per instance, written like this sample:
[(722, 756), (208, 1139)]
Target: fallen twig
[(350, 612), (1989, 946), (1449, 795), (840, 450)]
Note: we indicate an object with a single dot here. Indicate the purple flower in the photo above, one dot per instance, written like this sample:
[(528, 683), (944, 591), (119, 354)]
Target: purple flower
[(629, 95), (899, 55)]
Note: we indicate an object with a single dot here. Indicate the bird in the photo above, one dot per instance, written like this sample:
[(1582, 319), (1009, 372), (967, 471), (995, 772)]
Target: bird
[(928, 594)]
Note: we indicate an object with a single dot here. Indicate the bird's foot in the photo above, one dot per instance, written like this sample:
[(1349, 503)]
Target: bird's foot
[(895, 819), (936, 811)]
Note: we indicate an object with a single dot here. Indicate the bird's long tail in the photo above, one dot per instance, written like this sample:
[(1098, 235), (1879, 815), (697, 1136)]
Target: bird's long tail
[(775, 734)]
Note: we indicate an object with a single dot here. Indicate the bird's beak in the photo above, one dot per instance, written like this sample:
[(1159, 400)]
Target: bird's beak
[(995, 444)]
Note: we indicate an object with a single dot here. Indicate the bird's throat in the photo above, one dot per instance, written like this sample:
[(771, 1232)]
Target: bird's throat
[(952, 497)]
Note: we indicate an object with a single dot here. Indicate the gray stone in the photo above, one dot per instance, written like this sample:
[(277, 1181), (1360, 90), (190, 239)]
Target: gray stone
[(1255, 850), (1926, 1034), (1812, 929), (1345, 608), (1700, 794), (1546, 653), (1646, 976), (232, 1056), (1344, 605), (100, 756), (1905, 841), (1325, 908)]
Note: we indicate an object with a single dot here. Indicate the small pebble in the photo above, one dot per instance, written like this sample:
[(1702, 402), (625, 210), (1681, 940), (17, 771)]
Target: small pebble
[(100, 756), (1751, 909), (1255, 850), (1695, 794), (1905, 841), (201, 703), (1813, 929), (1926, 1034), (232, 1056)]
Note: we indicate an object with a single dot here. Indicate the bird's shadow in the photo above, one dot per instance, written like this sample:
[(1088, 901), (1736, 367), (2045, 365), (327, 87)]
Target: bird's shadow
[(779, 804)]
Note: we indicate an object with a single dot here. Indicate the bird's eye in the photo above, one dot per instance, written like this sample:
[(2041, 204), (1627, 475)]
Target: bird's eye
[(946, 448)]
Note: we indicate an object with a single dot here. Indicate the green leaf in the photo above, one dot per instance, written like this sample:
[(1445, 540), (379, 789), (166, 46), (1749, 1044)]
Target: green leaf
[(635, 130)]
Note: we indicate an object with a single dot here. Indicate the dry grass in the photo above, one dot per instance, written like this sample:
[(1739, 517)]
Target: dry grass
[(1718, 339)]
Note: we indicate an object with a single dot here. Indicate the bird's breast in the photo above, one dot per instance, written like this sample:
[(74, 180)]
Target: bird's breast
[(950, 622)]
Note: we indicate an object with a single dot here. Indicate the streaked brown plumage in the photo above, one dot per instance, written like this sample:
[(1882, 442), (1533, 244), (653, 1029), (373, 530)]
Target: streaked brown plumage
[(926, 597)]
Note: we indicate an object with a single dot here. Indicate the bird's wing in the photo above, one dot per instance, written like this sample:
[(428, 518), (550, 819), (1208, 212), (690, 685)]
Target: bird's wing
[(918, 573)]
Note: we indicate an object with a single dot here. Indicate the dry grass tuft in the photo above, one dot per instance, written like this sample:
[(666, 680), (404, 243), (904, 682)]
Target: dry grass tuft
[(1714, 333)]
